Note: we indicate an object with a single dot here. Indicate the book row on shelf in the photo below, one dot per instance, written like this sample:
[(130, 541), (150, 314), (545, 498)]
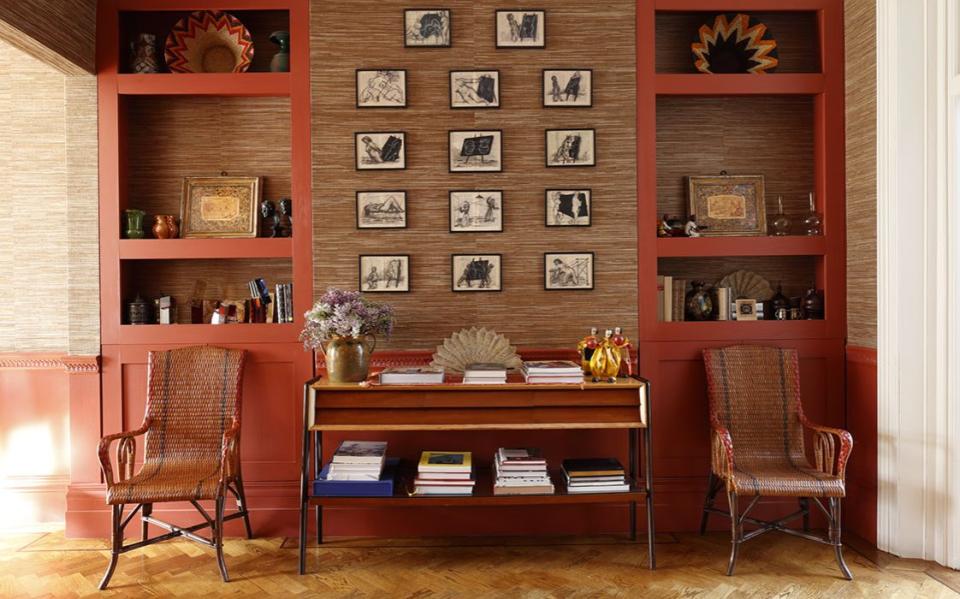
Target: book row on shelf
[(262, 306), (362, 469), (536, 371), (682, 300)]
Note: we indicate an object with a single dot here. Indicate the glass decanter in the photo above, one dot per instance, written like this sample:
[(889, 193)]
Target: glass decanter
[(813, 223), (780, 226)]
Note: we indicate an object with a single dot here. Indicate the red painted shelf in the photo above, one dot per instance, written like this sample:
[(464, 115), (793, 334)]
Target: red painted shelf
[(178, 5), (738, 5), (204, 84), (731, 331), (187, 249), (698, 84), (149, 334), (792, 245)]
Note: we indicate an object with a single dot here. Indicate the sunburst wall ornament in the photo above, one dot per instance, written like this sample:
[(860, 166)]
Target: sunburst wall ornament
[(209, 42), (733, 45)]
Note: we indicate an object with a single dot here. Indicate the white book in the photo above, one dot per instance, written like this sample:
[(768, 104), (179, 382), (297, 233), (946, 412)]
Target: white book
[(442, 475), (360, 452), (421, 490), (599, 483), (412, 375), (571, 379), (551, 367), (353, 476), (607, 489)]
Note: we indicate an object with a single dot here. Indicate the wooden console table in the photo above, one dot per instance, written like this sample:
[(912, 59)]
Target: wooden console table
[(515, 405)]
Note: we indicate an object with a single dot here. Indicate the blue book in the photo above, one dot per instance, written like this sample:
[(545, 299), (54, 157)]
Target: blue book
[(358, 488)]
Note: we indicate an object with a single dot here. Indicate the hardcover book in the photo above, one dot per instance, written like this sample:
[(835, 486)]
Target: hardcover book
[(445, 461), (592, 467), (411, 375), (383, 487), (360, 452)]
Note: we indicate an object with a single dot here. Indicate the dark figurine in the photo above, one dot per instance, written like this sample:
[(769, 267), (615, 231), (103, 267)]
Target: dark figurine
[(286, 217), (267, 217)]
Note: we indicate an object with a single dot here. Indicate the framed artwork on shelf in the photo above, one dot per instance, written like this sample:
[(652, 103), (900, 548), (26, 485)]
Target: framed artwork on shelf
[(476, 272), (728, 205), (475, 89), (746, 309), (570, 147), (381, 88), (564, 271), (426, 28), (521, 28), (381, 209), (568, 207), (220, 207), (382, 274), (476, 211), (381, 151), (476, 151), (567, 88)]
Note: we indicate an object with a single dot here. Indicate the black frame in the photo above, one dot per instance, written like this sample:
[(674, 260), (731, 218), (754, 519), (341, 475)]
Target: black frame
[(449, 28), (546, 150), (496, 24), (360, 273), (543, 87), (593, 271), (450, 133), (405, 211), (356, 83), (450, 84), (356, 146), (450, 208), (453, 283), (546, 206)]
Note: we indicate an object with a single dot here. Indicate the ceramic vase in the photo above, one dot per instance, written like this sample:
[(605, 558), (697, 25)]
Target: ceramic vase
[(165, 226), (280, 63), (348, 358), (699, 303), (134, 218), (144, 54)]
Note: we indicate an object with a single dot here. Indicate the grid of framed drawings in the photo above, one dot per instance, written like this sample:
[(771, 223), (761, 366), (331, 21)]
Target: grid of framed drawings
[(476, 209)]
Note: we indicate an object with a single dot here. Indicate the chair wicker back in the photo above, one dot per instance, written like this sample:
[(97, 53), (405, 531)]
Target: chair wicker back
[(755, 394)]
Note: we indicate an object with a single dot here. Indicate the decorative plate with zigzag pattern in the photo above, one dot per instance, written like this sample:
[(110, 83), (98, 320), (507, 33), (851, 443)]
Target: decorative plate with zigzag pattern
[(209, 42), (734, 45)]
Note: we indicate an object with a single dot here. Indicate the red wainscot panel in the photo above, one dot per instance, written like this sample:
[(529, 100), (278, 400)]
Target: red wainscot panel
[(861, 511)]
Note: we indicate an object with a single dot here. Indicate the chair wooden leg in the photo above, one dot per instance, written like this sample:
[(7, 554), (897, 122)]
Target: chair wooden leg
[(218, 538), (242, 506), (145, 511), (805, 506), (712, 487), (735, 532), (835, 537), (116, 537)]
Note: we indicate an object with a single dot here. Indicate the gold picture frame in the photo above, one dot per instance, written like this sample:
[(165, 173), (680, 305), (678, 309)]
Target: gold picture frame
[(728, 205), (220, 207)]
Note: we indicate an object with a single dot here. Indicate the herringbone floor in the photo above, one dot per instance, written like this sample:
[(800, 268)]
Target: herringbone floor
[(41, 565)]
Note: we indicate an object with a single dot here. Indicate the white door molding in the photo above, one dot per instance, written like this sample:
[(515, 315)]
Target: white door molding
[(918, 238)]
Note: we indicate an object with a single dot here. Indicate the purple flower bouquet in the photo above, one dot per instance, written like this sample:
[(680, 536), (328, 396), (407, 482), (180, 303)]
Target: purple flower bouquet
[(341, 313)]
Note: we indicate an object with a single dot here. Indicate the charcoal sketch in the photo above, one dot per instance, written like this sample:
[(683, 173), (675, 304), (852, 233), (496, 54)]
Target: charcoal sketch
[(385, 88), (570, 147), (475, 151), (380, 151), (568, 88), (476, 272), (381, 209), (568, 207), (568, 270), (474, 89), (476, 211), (384, 273), (520, 28), (427, 27)]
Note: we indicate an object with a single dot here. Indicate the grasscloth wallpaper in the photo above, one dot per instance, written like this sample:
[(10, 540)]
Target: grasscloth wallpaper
[(861, 94), (59, 32), (578, 35), (48, 172)]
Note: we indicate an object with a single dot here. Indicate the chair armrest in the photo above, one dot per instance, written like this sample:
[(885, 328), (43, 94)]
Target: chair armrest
[(722, 451), (229, 452), (828, 459), (125, 452)]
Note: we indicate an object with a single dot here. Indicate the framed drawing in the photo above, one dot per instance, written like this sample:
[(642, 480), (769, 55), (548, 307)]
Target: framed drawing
[(570, 147), (476, 152), (476, 272), (381, 274), (475, 89), (220, 207), (521, 28), (567, 88), (380, 151), (568, 207), (381, 210), (476, 211), (728, 204), (426, 28), (567, 270), (381, 88)]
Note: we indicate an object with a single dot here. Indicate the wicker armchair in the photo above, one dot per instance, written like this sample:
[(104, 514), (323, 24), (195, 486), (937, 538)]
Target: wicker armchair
[(758, 445), (191, 452)]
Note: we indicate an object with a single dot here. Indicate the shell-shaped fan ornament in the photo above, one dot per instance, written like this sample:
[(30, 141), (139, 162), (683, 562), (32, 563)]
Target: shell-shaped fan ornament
[(734, 45), (746, 284), (475, 345)]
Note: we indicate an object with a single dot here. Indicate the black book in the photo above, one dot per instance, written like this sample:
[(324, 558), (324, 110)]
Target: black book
[(592, 467)]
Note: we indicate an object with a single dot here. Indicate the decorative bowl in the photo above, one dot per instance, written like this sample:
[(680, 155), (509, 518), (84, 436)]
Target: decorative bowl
[(209, 42), (734, 45)]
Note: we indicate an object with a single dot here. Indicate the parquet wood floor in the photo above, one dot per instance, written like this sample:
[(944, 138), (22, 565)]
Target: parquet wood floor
[(48, 565)]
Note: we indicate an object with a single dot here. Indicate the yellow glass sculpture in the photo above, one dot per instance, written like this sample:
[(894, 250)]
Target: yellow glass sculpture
[(605, 361)]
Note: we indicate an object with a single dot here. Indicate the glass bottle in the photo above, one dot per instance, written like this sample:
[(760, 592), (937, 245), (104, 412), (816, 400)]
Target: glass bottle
[(813, 223), (780, 226)]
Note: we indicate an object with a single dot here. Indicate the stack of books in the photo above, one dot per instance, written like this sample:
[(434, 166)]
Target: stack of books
[(444, 473), (595, 475), (485, 374), (358, 469), (521, 472), (411, 375), (552, 371)]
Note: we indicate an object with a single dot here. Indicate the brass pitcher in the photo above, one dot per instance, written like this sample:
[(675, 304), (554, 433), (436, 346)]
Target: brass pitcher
[(348, 358)]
